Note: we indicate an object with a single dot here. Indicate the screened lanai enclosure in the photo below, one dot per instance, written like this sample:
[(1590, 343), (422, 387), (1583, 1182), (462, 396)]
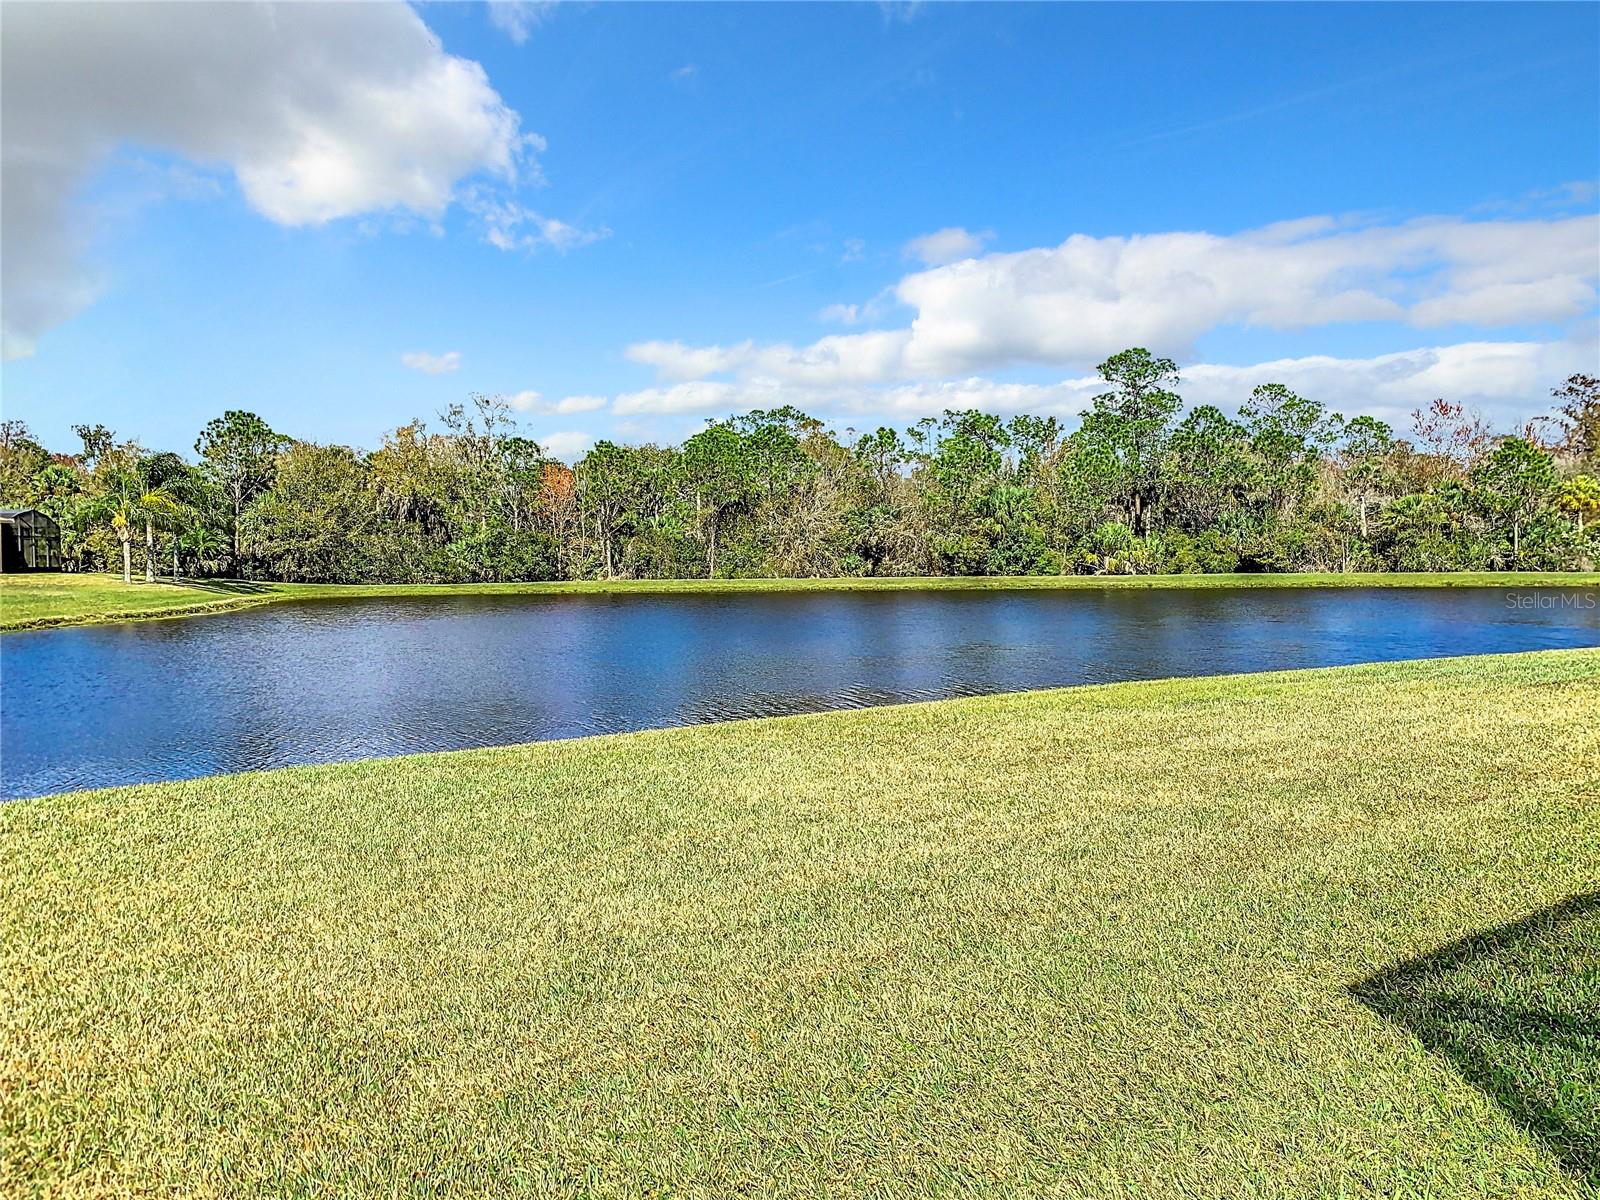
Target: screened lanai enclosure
[(29, 541)]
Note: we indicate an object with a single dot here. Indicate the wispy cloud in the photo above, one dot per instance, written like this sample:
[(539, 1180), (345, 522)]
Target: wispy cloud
[(1575, 194), (517, 19), (432, 364), (872, 310), (533, 402), (900, 12), (783, 279), (508, 224)]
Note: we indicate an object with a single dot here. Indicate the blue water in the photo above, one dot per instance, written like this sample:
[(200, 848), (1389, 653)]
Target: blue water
[(324, 681)]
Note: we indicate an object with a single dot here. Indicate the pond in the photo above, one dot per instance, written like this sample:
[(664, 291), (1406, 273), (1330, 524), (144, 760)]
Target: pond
[(323, 681)]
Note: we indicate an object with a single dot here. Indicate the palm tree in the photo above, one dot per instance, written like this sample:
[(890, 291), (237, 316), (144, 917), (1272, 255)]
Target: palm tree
[(118, 507), (164, 480), (144, 492), (202, 543), (1114, 549)]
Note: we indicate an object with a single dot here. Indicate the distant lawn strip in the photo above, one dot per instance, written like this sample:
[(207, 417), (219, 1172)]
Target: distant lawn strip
[(44, 600), (40, 601), (1196, 938)]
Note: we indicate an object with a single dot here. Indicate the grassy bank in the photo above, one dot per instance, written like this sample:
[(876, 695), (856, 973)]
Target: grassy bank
[(1182, 939), (39, 601)]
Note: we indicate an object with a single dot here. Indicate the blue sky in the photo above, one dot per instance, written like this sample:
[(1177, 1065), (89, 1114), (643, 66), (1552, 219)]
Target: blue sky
[(635, 217)]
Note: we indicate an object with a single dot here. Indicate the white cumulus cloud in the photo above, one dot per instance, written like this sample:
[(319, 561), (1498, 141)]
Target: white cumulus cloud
[(319, 111), (578, 404), (947, 245), (432, 364), (674, 360), (857, 357), (1507, 381), (567, 445), (1075, 303), (695, 396)]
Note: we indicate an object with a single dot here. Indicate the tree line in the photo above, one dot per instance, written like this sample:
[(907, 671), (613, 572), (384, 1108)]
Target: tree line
[(1140, 486)]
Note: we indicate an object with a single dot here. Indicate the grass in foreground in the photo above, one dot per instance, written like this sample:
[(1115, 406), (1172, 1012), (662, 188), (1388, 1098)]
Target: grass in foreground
[(40, 601), (1156, 939)]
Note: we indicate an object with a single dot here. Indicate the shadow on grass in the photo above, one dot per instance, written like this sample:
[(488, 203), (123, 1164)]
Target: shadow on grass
[(1516, 1010), (223, 587)]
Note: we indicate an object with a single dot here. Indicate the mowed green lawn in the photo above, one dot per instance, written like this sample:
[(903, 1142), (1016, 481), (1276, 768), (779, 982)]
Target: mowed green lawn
[(1176, 939), (50, 598), (38, 601)]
